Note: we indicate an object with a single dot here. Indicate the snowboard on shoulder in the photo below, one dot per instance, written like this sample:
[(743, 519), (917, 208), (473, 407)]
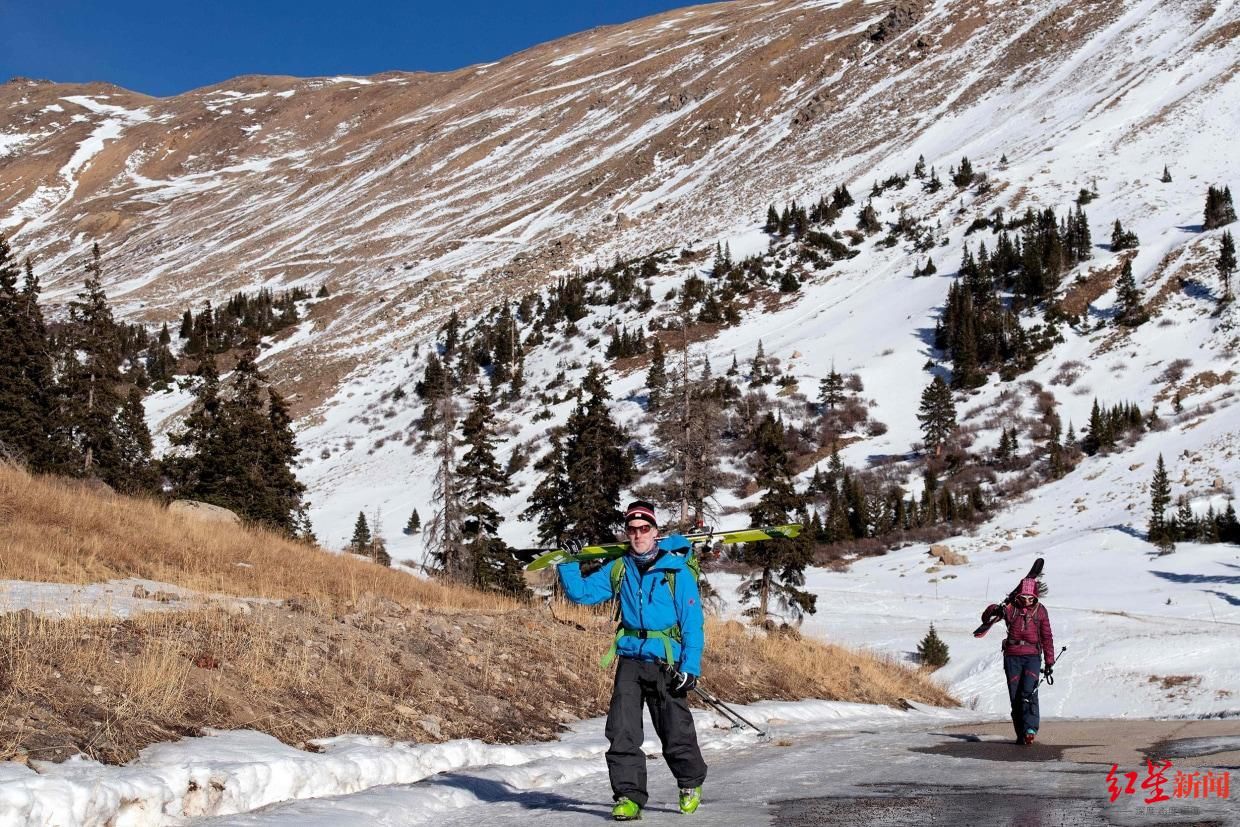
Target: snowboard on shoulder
[(540, 558), (1034, 571)]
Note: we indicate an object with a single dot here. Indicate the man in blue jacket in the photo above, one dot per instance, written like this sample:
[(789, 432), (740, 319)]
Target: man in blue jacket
[(659, 643)]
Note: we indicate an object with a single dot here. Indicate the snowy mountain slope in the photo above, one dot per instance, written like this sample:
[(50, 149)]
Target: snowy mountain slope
[(430, 190), (412, 194)]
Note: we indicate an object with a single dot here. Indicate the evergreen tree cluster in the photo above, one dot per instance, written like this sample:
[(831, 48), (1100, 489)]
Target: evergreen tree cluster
[(846, 505), (1049, 248), (795, 220), (1109, 426), (238, 448), (584, 470), (1122, 239), (71, 403), (963, 176), (70, 399), (1211, 527), (1220, 211), (367, 543), (240, 323), (977, 329), (1184, 525)]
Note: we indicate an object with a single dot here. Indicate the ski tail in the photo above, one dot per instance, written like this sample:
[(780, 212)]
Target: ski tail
[(1035, 572)]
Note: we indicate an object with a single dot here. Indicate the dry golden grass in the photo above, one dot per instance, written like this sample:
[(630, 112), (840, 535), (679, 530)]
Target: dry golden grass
[(346, 646), (54, 529)]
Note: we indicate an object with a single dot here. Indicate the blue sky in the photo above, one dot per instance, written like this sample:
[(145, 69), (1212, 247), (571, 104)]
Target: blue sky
[(166, 47)]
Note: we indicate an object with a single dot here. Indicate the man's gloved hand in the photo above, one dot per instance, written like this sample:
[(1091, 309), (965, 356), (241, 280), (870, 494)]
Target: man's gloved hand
[(682, 682)]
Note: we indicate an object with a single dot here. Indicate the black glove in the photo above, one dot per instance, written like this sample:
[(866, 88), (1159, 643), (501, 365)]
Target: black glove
[(682, 683), (1049, 673), (573, 546)]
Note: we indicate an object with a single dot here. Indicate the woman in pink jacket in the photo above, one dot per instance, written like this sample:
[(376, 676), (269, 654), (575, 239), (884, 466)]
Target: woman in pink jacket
[(1028, 639)]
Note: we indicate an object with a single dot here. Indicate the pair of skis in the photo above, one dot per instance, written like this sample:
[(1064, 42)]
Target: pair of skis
[(1035, 571), (541, 558)]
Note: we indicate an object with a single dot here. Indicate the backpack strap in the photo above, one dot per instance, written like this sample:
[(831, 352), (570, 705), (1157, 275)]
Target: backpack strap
[(616, 573)]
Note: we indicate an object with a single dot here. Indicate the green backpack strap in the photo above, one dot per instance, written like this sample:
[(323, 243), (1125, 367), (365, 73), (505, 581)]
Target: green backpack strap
[(616, 573)]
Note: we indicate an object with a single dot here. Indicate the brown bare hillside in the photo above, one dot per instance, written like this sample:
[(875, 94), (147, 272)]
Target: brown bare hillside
[(345, 646), (412, 193)]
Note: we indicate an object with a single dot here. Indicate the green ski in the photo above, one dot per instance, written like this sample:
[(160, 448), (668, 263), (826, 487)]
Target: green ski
[(542, 558)]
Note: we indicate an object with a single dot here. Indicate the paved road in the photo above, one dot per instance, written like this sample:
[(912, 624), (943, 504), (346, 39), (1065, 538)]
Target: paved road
[(892, 777)]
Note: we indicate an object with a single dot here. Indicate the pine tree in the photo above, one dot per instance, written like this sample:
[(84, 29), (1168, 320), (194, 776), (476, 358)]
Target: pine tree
[(689, 428), (359, 543), (772, 220), (192, 471), (482, 480), (414, 525), (1158, 532), (134, 472), (1128, 306), (656, 377), (937, 414), (303, 530), (1184, 525), (284, 492), (597, 460), (30, 425), (376, 549), (92, 378), (550, 499), (780, 564), (831, 390), (1098, 436), (867, 220), (933, 650), (445, 537), (1229, 527), (1226, 264), (1166, 175)]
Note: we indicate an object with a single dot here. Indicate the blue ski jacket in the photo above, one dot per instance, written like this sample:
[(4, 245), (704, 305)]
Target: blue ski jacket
[(647, 603)]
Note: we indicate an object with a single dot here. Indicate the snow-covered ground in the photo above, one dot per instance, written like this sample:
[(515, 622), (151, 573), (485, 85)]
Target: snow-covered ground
[(1147, 636), (114, 598), (238, 772), (1127, 616)]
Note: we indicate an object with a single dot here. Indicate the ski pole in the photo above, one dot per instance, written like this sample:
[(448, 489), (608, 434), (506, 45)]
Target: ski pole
[(1050, 679), (736, 722), (722, 707)]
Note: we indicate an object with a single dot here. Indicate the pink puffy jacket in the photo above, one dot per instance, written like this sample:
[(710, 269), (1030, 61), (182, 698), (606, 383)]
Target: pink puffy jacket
[(1028, 630)]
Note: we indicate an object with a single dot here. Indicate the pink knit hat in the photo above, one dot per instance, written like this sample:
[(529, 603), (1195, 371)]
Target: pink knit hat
[(1029, 586)]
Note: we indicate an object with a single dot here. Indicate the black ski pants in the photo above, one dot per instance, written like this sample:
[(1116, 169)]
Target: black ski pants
[(639, 681), (1022, 680)]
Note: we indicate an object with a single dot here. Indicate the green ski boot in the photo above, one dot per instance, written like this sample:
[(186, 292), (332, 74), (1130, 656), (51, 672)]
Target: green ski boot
[(626, 810), (690, 799)]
